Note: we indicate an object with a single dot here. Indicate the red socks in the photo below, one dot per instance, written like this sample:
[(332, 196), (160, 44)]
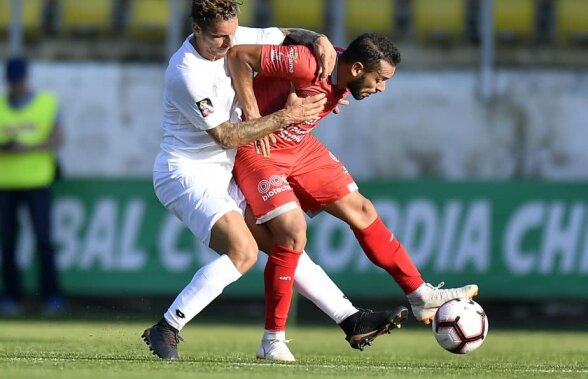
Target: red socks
[(385, 251), (279, 279)]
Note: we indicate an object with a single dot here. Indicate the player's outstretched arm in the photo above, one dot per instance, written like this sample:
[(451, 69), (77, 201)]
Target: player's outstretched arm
[(232, 135)]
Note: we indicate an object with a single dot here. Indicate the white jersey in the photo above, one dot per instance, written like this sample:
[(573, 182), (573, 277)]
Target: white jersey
[(192, 174), (198, 96)]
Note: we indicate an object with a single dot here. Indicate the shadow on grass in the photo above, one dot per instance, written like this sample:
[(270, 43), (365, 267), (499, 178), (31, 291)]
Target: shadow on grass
[(531, 315)]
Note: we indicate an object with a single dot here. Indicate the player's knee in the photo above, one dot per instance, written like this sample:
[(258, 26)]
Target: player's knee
[(360, 213), (367, 209), (293, 238), (244, 256)]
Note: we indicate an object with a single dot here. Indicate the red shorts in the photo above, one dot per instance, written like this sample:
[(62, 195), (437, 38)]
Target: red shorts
[(306, 175)]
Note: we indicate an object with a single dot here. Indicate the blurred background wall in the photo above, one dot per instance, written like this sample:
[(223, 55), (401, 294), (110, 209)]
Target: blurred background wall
[(509, 105)]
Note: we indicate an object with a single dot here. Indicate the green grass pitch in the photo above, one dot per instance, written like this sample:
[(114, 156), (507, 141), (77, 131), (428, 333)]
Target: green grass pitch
[(68, 349)]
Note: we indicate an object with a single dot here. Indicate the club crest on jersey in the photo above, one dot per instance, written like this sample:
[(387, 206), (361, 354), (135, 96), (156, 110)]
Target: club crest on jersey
[(205, 107)]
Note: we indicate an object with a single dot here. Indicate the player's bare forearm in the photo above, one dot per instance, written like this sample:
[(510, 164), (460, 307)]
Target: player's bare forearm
[(232, 135), (297, 110), (300, 36), (243, 60)]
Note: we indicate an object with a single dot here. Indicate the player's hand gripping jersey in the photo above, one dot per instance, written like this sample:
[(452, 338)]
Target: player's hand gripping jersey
[(300, 171), (282, 65)]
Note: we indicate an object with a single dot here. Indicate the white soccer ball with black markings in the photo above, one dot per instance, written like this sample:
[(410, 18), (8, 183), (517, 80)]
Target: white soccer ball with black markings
[(460, 326)]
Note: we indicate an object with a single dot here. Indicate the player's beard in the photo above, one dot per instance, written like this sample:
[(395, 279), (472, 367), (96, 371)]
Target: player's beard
[(356, 86)]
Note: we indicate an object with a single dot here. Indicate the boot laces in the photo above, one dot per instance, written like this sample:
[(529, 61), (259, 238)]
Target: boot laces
[(277, 340), (443, 294), (171, 336), (276, 344)]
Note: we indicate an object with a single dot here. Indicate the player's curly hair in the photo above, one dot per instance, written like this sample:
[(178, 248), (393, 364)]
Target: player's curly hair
[(370, 49), (207, 12)]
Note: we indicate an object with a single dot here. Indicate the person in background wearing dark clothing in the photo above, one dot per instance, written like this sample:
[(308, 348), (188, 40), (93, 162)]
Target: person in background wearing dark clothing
[(29, 137)]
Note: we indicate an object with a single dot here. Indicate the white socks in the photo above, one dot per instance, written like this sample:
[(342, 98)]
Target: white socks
[(206, 285), (269, 335), (314, 284)]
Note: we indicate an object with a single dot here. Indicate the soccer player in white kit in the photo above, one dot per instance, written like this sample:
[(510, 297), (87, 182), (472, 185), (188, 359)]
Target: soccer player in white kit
[(192, 177)]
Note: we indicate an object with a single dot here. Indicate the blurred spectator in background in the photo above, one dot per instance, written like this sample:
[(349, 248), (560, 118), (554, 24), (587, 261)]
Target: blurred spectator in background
[(29, 136)]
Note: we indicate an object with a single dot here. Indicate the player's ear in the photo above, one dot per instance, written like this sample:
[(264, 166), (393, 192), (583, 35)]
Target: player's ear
[(357, 69), (195, 28)]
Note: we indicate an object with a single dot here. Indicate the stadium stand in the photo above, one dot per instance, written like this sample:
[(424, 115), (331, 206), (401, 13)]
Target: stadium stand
[(247, 13), (300, 13), (377, 17), (136, 29), (85, 17), (571, 21), (148, 19), (32, 16), (438, 21), (514, 20)]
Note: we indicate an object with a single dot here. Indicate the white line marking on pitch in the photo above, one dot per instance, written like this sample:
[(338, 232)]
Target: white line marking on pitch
[(305, 366)]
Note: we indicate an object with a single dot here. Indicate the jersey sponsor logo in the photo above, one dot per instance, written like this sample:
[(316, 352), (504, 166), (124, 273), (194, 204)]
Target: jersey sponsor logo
[(286, 278), (312, 122), (205, 107), (274, 185), (293, 133), (291, 56)]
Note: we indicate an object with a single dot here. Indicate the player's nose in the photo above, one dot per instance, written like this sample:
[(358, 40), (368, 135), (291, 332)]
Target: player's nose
[(381, 87), (228, 42)]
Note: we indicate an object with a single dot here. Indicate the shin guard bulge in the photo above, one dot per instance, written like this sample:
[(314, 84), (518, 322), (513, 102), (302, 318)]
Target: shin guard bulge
[(384, 250), (279, 279)]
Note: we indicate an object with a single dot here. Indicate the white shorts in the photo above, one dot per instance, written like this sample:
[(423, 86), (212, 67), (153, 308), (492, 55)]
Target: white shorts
[(198, 193)]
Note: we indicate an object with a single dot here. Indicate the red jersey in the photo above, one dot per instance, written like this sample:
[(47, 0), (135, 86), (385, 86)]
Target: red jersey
[(280, 66)]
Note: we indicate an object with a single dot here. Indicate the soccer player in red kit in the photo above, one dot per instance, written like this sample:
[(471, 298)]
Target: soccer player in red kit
[(301, 175)]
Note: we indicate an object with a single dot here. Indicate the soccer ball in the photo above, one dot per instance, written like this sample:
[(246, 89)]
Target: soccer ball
[(460, 326)]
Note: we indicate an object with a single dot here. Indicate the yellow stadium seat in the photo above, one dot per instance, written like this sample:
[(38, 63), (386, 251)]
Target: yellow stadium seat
[(514, 19), (369, 16), (298, 13), (149, 18), (31, 16), (438, 20), (89, 16), (247, 13), (571, 20)]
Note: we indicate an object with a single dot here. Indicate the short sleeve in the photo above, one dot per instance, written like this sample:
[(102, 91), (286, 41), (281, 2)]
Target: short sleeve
[(257, 36), (197, 103)]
